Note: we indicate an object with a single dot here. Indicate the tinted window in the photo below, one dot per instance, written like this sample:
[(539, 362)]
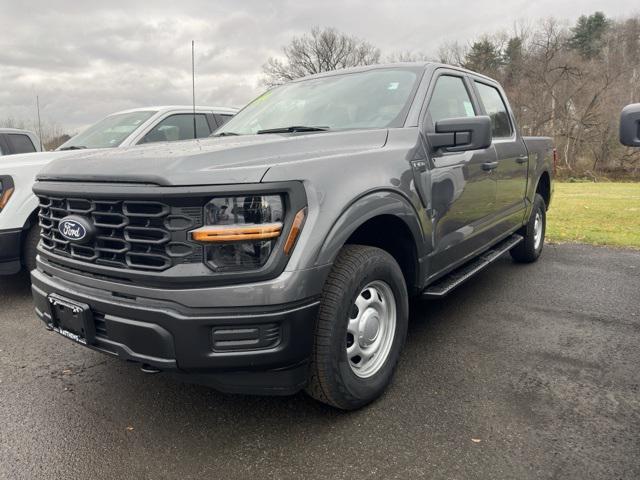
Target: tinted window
[(450, 99), (222, 118), (20, 143), (496, 109), (178, 127)]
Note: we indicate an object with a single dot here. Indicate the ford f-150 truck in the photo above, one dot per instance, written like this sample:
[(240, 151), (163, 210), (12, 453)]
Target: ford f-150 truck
[(281, 254), (19, 230)]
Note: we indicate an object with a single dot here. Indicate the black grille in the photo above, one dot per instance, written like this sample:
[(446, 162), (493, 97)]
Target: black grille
[(129, 234)]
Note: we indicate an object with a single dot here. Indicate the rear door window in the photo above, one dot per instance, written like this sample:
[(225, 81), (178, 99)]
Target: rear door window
[(178, 127), (496, 109), (20, 143)]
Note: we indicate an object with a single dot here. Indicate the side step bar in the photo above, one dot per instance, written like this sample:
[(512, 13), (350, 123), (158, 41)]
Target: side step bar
[(447, 283)]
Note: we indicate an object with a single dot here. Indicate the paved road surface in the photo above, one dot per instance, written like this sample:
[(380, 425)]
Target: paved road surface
[(524, 372)]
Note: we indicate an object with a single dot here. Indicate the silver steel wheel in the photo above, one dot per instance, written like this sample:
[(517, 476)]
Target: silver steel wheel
[(537, 231), (371, 329)]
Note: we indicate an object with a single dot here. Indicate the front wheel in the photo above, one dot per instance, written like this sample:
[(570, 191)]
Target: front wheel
[(361, 329), (30, 247), (533, 232)]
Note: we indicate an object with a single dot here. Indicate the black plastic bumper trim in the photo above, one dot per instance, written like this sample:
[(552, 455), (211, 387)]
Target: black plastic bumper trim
[(182, 343), (10, 251)]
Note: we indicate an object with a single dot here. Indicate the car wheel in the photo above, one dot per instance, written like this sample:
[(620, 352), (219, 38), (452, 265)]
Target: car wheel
[(30, 247), (361, 328), (533, 232)]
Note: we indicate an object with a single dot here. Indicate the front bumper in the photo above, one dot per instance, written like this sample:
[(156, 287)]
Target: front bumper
[(211, 345), (10, 246)]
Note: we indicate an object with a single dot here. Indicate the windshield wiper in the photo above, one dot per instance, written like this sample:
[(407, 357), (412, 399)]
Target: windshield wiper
[(292, 129), (225, 134), (74, 147)]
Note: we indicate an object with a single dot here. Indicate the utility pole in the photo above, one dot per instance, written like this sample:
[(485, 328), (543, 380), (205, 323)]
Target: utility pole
[(39, 123), (193, 85)]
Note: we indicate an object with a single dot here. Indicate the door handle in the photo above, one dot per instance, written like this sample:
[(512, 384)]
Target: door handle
[(522, 160), (489, 165)]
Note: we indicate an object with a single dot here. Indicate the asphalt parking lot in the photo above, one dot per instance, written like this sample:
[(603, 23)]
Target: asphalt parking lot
[(524, 372)]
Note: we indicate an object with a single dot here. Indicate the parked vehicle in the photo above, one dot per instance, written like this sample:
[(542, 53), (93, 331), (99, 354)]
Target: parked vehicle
[(281, 254), (19, 231), (630, 125), (14, 141)]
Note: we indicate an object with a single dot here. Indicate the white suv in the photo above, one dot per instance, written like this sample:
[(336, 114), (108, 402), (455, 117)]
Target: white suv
[(19, 231)]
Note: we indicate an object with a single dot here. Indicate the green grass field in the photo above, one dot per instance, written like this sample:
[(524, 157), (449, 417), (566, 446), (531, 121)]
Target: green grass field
[(596, 213)]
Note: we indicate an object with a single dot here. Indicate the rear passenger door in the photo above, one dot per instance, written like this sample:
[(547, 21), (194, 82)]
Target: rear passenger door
[(511, 173)]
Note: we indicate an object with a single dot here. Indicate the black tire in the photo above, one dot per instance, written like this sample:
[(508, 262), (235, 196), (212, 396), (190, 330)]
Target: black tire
[(526, 251), (332, 380), (30, 248)]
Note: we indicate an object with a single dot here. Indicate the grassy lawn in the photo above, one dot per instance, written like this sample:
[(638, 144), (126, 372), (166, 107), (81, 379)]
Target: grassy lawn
[(596, 213)]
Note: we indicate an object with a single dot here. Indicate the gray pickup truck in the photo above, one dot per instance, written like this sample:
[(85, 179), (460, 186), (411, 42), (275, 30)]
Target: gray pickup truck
[(281, 254)]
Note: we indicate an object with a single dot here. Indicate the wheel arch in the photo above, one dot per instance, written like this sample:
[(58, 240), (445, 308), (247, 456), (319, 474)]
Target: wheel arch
[(543, 187), (384, 219)]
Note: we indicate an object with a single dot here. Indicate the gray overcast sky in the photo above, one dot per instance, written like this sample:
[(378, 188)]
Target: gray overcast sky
[(86, 59)]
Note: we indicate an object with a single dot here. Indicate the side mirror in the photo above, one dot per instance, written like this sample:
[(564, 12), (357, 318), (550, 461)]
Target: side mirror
[(462, 134), (630, 125)]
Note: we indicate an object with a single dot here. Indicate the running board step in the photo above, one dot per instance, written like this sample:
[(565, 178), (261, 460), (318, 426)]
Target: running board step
[(447, 283)]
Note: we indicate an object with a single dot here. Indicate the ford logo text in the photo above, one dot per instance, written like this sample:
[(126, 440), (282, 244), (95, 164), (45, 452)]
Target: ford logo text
[(72, 230)]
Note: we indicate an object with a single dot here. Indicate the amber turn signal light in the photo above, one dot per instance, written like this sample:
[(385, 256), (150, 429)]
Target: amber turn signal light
[(4, 199), (237, 233), (296, 228)]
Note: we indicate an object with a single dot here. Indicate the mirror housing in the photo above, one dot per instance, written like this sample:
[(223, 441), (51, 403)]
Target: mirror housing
[(462, 134), (630, 125)]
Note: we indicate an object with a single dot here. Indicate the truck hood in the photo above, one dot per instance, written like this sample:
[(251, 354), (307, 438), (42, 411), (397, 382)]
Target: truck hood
[(208, 161)]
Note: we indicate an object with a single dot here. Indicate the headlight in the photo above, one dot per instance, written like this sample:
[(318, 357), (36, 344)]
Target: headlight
[(240, 232), (6, 190)]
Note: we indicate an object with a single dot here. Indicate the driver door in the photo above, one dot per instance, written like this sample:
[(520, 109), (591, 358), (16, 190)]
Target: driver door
[(463, 190)]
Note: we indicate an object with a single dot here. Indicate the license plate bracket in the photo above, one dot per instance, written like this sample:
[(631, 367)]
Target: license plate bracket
[(72, 319)]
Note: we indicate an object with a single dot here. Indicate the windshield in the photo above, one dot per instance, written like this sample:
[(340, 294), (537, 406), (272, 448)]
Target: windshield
[(370, 99), (110, 132)]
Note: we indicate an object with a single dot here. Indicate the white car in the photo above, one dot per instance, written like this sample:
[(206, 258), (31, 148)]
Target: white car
[(19, 230)]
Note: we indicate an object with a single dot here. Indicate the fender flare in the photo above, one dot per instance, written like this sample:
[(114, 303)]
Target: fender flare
[(370, 205)]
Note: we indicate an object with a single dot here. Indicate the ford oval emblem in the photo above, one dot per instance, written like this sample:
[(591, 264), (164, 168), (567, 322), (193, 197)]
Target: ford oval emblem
[(74, 229)]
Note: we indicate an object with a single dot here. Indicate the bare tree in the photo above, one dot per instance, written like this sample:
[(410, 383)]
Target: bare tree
[(321, 50)]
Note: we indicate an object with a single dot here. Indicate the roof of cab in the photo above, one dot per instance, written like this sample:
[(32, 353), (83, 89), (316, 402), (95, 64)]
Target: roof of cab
[(379, 66), (16, 130), (169, 108)]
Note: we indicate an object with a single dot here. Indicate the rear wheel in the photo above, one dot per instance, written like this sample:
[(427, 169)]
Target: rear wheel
[(362, 326), (30, 247), (533, 232)]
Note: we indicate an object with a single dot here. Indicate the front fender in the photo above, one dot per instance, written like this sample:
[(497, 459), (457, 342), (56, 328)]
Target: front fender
[(366, 207)]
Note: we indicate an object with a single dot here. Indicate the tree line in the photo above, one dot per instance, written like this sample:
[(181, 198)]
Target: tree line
[(567, 82)]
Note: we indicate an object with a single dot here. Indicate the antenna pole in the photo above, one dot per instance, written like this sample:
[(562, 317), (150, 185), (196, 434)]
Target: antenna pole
[(193, 85), (39, 123)]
